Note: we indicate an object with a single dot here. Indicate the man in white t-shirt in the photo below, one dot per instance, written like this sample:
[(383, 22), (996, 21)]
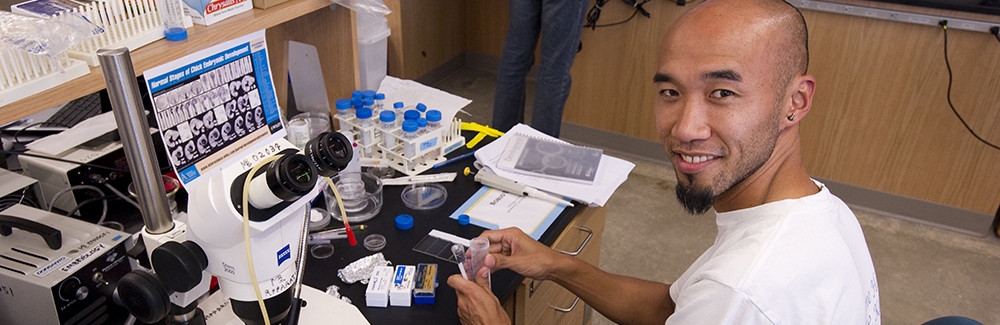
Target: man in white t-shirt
[(732, 89)]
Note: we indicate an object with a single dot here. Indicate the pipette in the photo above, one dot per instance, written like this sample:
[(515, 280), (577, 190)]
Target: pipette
[(509, 186)]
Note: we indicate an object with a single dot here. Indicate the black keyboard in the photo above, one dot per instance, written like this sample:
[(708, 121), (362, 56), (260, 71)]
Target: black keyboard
[(77, 110)]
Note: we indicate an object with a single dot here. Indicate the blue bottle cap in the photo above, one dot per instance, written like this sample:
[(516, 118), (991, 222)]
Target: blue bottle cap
[(357, 103), (343, 104), (379, 96), (397, 105), (411, 115), (387, 116), (365, 94), (463, 219), (363, 113), (409, 126), (433, 115), (421, 122), (369, 101), (421, 107), (175, 34), (404, 222), (356, 94)]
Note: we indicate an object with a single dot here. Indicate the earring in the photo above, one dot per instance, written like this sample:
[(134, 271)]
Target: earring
[(791, 117)]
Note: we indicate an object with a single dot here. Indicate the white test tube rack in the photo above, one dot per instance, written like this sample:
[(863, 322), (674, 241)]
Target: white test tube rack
[(126, 23), (430, 148), (23, 74)]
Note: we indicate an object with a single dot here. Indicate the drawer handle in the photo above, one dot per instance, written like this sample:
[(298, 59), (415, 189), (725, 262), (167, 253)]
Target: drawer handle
[(590, 233), (532, 287), (566, 310)]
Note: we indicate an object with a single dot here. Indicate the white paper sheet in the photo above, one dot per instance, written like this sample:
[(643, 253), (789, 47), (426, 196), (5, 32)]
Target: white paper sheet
[(611, 173), (411, 92)]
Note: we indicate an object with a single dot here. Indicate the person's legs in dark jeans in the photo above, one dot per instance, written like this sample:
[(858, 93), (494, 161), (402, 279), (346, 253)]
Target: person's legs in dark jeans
[(517, 59), (562, 24)]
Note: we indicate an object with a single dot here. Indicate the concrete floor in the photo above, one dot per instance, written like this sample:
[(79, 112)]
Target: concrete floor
[(923, 272)]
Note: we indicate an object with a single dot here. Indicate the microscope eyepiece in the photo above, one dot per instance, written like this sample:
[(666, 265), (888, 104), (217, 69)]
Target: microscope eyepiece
[(287, 179), (331, 152)]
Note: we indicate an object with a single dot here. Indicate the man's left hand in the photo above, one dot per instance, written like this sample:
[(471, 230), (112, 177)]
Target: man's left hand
[(476, 303)]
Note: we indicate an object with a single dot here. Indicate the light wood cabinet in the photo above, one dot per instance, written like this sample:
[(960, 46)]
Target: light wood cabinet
[(308, 21), (545, 302)]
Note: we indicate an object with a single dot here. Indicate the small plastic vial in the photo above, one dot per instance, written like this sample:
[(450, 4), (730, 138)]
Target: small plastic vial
[(369, 103), (409, 134), (366, 94), (364, 116), (379, 101), (357, 103), (421, 126), (421, 107), (433, 120), (343, 108), (479, 248), (388, 119), (172, 14), (411, 115), (356, 94)]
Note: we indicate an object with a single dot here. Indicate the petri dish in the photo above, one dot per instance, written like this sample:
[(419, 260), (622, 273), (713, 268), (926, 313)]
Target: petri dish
[(361, 194), (424, 196), (374, 242)]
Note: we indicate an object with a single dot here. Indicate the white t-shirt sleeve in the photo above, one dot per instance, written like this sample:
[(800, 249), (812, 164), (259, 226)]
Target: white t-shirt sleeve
[(710, 302)]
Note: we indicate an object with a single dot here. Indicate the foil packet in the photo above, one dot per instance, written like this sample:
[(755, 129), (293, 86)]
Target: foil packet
[(361, 269)]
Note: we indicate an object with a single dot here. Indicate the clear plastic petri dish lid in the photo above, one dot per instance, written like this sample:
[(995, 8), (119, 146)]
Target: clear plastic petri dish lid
[(361, 194), (424, 196)]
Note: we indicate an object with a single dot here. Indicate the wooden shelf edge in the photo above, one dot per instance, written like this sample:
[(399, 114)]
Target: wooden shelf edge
[(163, 51)]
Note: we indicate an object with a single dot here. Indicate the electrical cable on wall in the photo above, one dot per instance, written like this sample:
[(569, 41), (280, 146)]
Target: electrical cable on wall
[(595, 13), (944, 27)]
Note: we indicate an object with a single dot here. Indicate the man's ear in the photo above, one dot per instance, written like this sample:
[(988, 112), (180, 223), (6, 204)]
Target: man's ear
[(802, 96)]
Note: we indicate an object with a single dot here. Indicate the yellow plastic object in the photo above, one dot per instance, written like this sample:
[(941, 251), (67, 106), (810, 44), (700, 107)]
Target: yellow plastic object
[(483, 132), (473, 126), (475, 140)]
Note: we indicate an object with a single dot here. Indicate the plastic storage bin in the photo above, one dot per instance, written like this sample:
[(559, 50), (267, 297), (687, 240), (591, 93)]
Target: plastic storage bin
[(373, 42)]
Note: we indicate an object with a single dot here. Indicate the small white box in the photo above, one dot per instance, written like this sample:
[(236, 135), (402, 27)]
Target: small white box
[(207, 12), (377, 294), (402, 286)]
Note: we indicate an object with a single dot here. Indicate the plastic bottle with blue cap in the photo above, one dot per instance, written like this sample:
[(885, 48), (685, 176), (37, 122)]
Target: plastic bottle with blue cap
[(379, 102), (356, 94), (343, 108), (409, 134), (433, 120), (421, 126), (364, 116), (369, 103), (388, 119), (411, 115), (357, 103), (172, 15), (421, 107), (368, 93)]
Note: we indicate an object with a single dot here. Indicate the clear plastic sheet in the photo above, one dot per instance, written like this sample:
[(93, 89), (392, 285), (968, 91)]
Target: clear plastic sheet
[(44, 36), (361, 269)]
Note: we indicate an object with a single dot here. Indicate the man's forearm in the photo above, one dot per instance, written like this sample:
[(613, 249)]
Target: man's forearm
[(624, 300)]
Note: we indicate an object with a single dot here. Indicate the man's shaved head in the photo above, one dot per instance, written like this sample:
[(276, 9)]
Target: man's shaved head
[(788, 37), (731, 79)]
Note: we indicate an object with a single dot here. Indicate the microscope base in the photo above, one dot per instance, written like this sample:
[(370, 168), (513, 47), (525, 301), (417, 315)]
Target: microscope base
[(320, 309)]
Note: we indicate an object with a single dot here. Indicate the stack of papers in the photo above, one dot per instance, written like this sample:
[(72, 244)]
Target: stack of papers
[(611, 173)]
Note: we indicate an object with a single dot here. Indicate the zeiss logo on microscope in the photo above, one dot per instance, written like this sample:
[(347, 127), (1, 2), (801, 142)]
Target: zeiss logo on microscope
[(284, 254)]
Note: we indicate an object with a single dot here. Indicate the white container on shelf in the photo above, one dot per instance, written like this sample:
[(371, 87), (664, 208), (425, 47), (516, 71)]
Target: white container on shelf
[(373, 40)]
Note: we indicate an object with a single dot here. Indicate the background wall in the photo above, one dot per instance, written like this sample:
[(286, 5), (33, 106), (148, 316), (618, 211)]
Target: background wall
[(880, 118)]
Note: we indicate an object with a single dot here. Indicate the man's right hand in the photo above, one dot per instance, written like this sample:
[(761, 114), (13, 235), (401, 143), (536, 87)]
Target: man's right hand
[(512, 249)]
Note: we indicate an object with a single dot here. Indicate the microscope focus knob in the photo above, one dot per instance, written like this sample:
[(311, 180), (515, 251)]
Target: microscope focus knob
[(144, 296), (179, 265)]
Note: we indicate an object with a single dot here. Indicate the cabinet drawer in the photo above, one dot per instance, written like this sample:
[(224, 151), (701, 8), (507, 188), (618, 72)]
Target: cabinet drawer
[(545, 302)]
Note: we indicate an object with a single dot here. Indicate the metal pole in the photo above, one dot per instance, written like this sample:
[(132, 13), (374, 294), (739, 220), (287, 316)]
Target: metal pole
[(126, 103)]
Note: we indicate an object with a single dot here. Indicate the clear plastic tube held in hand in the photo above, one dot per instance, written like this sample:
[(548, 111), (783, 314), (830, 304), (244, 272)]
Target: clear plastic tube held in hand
[(476, 257)]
